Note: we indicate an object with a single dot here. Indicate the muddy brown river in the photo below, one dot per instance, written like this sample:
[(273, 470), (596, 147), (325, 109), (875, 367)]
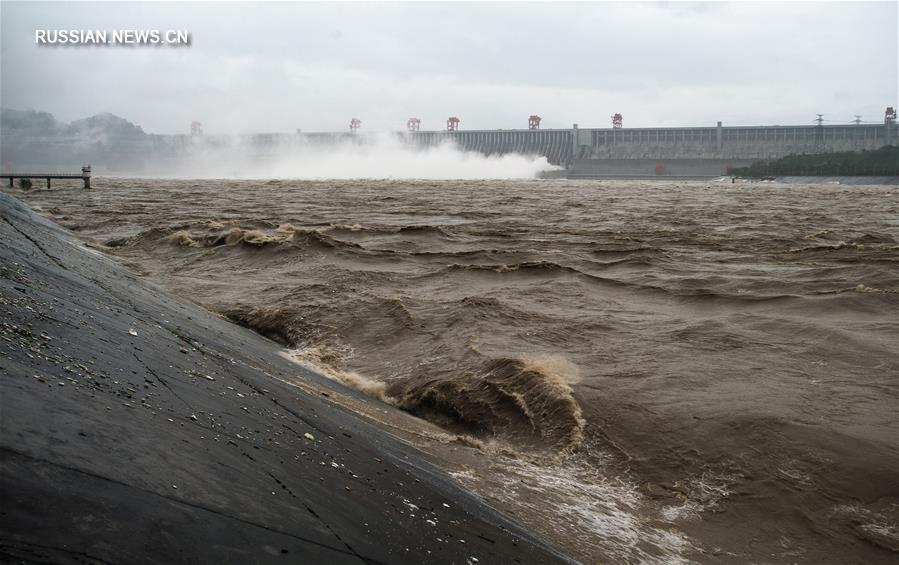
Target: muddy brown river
[(639, 371)]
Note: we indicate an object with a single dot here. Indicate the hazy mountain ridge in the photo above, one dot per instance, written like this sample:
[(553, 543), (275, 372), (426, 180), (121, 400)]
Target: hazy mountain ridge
[(34, 122), (32, 140)]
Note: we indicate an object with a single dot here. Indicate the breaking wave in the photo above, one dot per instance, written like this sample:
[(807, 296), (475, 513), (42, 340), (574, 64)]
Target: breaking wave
[(523, 401), (328, 361), (527, 402)]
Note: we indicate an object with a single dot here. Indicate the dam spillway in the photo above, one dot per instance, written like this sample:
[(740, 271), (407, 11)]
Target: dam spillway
[(566, 147), (750, 142), (665, 151)]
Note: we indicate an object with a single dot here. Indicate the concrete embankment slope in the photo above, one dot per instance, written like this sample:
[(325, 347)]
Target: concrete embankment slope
[(139, 429)]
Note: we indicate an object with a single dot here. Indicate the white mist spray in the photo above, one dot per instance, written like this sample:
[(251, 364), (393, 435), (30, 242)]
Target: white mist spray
[(376, 157)]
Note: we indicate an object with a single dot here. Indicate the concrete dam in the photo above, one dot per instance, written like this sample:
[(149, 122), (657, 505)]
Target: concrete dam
[(582, 152), (694, 151), (601, 152)]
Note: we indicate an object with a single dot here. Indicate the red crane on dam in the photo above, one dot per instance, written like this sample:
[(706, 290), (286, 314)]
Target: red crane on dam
[(355, 124), (617, 121), (452, 123), (413, 124), (534, 122)]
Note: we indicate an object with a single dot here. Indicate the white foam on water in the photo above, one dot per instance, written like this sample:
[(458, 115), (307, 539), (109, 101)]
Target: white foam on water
[(598, 514)]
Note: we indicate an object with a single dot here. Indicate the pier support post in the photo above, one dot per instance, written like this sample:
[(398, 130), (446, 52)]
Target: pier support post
[(85, 176), (10, 182), (48, 183)]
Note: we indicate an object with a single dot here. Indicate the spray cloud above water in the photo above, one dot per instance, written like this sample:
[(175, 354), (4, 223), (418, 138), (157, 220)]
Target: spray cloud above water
[(383, 156)]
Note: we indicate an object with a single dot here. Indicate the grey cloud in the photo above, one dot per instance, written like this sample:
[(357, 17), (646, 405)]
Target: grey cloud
[(275, 67)]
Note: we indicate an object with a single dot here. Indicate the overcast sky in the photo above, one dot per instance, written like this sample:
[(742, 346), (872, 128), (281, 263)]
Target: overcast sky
[(277, 67)]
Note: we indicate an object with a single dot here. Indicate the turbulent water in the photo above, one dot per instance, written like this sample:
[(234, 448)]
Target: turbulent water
[(709, 370)]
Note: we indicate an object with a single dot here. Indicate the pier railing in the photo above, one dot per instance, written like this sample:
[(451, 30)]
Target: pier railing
[(85, 176)]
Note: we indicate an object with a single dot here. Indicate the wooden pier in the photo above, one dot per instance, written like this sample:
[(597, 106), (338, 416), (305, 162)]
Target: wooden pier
[(85, 175)]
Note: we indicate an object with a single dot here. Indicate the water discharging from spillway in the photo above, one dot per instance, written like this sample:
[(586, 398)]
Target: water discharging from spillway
[(371, 157)]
